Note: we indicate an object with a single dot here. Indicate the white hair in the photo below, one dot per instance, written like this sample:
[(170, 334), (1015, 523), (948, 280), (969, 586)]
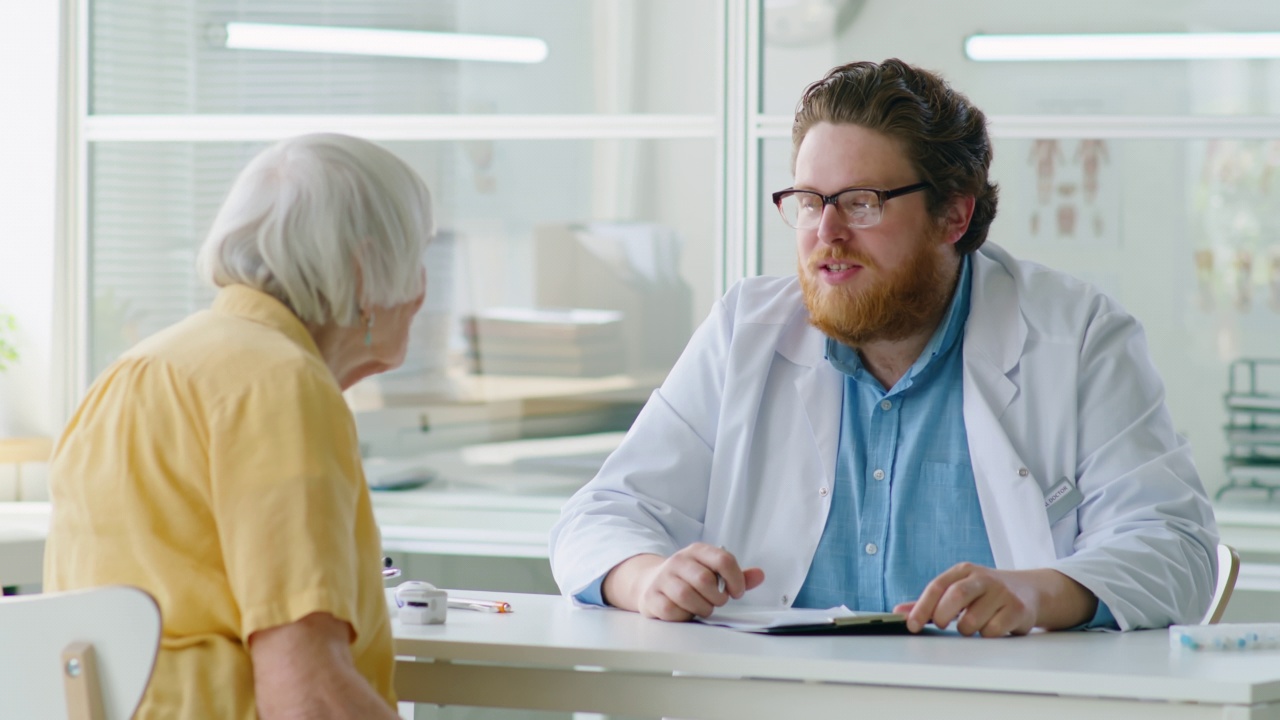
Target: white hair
[(313, 220)]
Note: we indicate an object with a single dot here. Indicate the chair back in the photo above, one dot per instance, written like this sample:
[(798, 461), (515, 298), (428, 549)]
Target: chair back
[(79, 654), (1228, 571)]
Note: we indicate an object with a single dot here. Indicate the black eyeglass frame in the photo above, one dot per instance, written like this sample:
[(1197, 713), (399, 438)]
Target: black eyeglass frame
[(883, 196)]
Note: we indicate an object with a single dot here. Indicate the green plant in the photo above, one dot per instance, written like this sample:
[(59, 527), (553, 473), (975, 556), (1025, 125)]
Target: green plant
[(8, 351)]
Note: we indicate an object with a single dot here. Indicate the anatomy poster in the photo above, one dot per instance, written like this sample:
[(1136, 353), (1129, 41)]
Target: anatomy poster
[(1069, 191), (1236, 227)]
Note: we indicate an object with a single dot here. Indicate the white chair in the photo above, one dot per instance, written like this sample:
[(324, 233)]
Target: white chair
[(79, 654), (1228, 571)]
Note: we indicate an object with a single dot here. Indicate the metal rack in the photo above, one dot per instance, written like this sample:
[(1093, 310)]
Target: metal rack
[(1253, 426)]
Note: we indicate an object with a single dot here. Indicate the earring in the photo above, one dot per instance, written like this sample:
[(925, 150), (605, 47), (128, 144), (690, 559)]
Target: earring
[(368, 331)]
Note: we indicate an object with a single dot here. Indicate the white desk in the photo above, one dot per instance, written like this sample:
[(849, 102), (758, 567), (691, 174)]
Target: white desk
[(474, 512), (23, 528), (480, 507), (1251, 528), (549, 656), (489, 500), (444, 519)]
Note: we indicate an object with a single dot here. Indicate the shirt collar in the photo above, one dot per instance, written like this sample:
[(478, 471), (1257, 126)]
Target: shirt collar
[(846, 359), (256, 306)]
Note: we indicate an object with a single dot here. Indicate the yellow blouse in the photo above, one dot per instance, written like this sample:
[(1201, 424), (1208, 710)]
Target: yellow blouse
[(216, 466)]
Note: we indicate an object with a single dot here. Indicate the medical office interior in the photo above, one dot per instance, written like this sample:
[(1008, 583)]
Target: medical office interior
[(594, 198)]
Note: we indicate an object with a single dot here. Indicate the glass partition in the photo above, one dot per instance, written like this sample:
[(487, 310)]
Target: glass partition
[(562, 272), (1171, 215), (1181, 232), (575, 255), (1152, 179)]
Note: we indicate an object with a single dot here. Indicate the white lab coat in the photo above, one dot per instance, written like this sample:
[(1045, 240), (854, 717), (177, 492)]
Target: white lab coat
[(738, 448)]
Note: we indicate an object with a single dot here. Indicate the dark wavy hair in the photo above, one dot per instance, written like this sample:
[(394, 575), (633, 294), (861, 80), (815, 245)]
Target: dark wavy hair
[(944, 135)]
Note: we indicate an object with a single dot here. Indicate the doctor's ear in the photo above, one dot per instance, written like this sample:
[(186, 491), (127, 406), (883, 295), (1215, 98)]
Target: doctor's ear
[(956, 217)]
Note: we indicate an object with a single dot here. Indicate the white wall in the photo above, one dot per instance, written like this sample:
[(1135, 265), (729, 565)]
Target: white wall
[(28, 153)]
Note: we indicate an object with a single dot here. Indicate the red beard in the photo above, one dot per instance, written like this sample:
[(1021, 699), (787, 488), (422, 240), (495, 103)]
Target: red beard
[(893, 307)]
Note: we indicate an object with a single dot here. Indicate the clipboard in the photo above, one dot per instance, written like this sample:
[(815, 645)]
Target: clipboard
[(793, 621), (869, 624)]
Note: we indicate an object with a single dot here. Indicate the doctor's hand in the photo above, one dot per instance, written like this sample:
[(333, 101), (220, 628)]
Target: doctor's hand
[(681, 586), (995, 603)]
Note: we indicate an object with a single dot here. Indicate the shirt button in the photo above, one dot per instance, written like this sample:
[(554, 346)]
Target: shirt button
[(822, 492), (872, 549), (885, 404), (1023, 472), (785, 599), (878, 474)]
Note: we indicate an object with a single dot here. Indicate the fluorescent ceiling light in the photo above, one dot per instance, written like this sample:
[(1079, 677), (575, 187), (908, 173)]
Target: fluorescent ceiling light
[(1124, 46), (392, 43)]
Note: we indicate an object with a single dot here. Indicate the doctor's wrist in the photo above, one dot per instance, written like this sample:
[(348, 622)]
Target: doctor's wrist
[(1063, 602), (625, 583)]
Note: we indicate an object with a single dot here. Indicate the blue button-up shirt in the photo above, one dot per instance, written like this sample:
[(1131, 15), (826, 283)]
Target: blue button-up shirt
[(904, 506)]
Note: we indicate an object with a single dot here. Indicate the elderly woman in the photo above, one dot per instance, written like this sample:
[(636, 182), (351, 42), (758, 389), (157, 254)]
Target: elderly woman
[(216, 465)]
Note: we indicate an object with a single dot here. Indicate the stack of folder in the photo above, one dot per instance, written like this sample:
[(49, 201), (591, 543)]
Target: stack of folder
[(566, 342)]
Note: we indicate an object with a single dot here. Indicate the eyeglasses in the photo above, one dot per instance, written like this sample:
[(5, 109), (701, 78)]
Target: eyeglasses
[(861, 207)]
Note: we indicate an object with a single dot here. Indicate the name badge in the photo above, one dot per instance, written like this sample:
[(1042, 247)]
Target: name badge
[(1062, 499)]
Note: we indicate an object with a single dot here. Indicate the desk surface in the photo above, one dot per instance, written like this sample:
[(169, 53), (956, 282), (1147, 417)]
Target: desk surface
[(23, 527), (483, 503), (477, 517), (472, 515), (547, 631)]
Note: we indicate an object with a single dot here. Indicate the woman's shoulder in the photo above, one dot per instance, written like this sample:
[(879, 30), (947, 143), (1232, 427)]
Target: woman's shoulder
[(220, 355)]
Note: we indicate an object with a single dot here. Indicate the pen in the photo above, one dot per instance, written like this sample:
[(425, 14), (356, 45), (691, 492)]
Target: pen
[(492, 606)]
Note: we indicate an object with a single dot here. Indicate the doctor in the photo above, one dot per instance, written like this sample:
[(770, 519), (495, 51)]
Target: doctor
[(915, 423)]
